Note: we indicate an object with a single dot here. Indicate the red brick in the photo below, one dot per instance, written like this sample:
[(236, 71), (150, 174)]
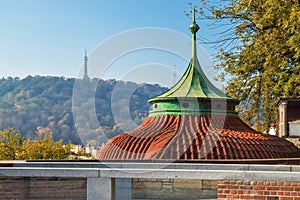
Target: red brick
[(273, 188), (260, 197), (229, 196), (267, 183), (246, 187), (226, 191), (246, 191), (280, 183), (254, 192), (293, 183), (273, 193), (294, 194), (286, 198), (280, 193), (286, 183), (225, 182), (240, 191), (259, 188), (260, 183), (253, 182), (273, 183), (222, 196), (235, 187), (233, 192), (286, 188), (259, 192), (273, 198), (286, 193), (222, 186), (246, 197)]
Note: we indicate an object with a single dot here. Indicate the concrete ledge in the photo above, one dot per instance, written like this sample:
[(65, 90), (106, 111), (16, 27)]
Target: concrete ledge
[(152, 170), (203, 174), (48, 172), (143, 165)]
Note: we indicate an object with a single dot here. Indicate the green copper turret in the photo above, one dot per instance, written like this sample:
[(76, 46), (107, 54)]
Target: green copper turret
[(193, 93)]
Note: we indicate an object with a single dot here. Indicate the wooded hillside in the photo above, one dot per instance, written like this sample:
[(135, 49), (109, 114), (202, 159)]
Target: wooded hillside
[(35, 105)]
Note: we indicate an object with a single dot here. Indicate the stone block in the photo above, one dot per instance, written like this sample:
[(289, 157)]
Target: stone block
[(147, 179), (209, 194), (148, 185), (167, 186), (165, 180), (209, 184), (187, 183)]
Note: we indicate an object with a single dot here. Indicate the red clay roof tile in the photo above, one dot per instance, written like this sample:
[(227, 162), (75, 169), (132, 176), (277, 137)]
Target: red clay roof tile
[(194, 137)]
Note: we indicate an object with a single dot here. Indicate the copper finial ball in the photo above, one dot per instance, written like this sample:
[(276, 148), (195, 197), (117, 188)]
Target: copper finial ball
[(194, 27)]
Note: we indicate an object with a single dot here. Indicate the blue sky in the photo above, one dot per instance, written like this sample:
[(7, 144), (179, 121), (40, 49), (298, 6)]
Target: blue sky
[(48, 37)]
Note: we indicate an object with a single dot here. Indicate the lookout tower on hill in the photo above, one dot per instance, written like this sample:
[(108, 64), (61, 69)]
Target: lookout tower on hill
[(194, 120), (85, 58)]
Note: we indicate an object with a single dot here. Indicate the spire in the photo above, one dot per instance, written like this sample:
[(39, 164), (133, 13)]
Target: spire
[(192, 92), (194, 28), (85, 66)]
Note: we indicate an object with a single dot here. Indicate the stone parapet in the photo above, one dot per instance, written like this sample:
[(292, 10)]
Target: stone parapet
[(109, 180)]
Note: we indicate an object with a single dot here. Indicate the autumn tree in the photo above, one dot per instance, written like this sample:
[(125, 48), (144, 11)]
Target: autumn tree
[(10, 144), (13, 146), (259, 53), (44, 148)]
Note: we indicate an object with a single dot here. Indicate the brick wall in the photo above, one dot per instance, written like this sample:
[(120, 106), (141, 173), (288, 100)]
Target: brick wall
[(260, 190), (42, 188), (173, 189), (76, 189)]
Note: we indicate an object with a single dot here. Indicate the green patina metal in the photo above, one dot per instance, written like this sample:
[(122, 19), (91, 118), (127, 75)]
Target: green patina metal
[(195, 107), (193, 84), (194, 87)]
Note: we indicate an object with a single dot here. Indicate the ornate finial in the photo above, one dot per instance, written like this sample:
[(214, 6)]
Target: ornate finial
[(194, 26)]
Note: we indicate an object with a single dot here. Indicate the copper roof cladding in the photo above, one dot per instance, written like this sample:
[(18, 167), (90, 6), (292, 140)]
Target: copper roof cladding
[(194, 137), (195, 121)]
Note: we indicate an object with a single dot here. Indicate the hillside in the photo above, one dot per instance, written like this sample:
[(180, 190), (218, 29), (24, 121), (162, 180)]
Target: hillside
[(35, 105)]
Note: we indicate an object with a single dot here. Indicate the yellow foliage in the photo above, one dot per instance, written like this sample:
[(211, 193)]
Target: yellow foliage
[(14, 147)]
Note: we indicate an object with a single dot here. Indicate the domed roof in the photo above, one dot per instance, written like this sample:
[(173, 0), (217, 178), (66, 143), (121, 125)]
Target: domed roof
[(196, 137), (195, 121)]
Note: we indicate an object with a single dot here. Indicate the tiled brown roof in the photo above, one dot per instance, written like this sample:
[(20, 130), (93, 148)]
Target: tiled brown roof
[(194, 137)]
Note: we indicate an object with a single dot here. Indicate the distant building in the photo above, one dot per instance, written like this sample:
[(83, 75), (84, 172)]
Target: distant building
[(288, 117), (272, 130)]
